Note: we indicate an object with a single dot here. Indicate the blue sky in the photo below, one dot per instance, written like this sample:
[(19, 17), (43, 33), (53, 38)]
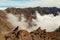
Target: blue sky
[(13, 3), (20, 0), (29, 3)]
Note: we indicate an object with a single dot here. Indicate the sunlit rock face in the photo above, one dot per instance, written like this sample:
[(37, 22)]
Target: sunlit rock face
[(30, 18), (4, 25)]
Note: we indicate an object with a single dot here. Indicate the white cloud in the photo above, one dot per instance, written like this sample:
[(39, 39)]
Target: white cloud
[(48, 22), (44, 3)]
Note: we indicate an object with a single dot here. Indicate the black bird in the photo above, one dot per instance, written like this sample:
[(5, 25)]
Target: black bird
[(16, 28), (14, 31)]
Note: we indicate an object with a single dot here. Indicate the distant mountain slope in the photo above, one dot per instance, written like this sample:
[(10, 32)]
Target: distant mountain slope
[(41, 10), (26, 15), (31, 12)]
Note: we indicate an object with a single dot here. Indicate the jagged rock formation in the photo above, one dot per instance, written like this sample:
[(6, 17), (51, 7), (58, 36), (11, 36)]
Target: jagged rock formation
[(34, 35), (41, 35)]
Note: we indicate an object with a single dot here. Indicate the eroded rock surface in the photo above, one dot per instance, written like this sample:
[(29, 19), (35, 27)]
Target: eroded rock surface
[(34, 35)]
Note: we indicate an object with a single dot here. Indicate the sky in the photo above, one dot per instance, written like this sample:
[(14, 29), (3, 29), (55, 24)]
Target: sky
[(29, 3)]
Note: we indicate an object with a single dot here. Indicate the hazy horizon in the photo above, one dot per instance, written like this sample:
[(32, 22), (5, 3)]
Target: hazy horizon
[(29, 3)]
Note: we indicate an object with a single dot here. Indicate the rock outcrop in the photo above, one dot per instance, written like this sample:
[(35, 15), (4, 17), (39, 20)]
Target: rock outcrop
[(34, 35)]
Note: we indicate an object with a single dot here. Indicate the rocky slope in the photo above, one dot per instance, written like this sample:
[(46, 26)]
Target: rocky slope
[(29, 14), (41, 10), (34, 35)]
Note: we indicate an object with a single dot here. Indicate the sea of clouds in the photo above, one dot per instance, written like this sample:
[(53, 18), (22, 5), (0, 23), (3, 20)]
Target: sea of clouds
[(48, 22)]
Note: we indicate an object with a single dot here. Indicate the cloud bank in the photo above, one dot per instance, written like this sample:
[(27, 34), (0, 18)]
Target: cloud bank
[(48, 22)]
